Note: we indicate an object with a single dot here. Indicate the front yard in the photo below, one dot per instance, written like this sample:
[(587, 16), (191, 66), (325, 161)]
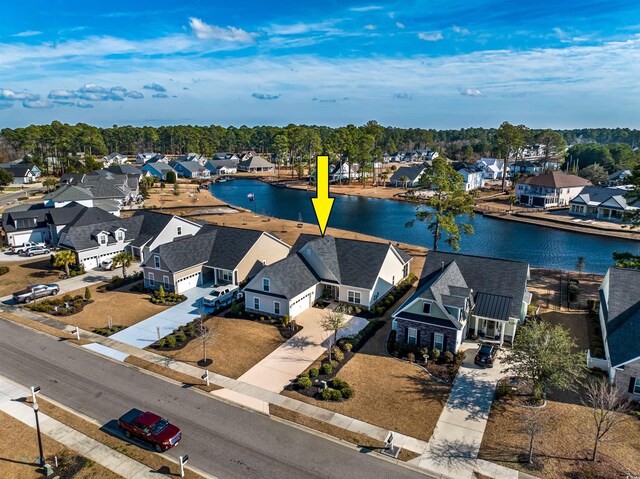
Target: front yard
[(23, 273), (236, 347)]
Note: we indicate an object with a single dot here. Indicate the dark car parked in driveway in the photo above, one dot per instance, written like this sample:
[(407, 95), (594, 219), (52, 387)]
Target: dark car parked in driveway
[(486, 355)]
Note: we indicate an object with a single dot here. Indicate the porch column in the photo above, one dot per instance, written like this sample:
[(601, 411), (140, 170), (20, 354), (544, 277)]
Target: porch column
[(476, 326), (503, 327)]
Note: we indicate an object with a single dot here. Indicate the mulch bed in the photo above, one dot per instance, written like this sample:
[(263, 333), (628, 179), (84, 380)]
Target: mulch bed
[(56, 306), (109, 331)]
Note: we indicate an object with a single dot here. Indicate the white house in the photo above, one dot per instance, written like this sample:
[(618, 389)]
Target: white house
[(114, 159), (493, 169), (472, 174), (602, 203), (549, 189)]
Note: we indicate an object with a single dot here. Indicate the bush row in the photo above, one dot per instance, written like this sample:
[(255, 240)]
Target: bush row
[(392, 296)]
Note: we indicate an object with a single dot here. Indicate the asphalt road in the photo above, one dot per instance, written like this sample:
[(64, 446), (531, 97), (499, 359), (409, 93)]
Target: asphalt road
[(221, 439)]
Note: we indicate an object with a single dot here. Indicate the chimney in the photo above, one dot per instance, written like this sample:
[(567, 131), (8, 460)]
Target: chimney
[(442, 267)]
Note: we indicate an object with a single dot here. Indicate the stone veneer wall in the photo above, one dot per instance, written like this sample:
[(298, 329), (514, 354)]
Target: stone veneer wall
[(425, 334)]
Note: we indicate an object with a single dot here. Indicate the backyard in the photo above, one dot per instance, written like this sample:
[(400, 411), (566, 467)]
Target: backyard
[(23, 273)]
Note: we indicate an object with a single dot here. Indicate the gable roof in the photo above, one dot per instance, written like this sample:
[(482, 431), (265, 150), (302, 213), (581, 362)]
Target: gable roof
[(556, 179), (192, 166), (152, 225), (69, 193), (82, 237), (255, 162), (291, 275), (411, 172), (622, 315), (17, 170), (595, 195)]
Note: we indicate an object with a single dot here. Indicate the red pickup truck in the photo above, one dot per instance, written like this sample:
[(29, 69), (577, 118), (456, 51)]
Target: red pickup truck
[(150, 428)]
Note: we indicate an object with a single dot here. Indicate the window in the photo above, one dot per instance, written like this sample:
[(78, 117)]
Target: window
[(179, 230), (438, 341), (265, 285), (353, 297), (405, 270), (103, 239), (636, 386), (165, 281), (276, 307), (226, 275), (256, 303), (426, 308), (120, 235), (152, 280), (412, 336), (156, 261)]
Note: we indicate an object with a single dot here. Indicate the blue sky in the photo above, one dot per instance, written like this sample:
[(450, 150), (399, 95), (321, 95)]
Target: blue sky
[(431, 64)]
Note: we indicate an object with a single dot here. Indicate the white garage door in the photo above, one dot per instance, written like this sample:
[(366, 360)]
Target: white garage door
[(300, 305), (187, 283), (90, 263), (20, 239)]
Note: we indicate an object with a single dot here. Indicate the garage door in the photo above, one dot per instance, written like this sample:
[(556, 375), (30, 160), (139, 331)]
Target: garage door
[(90, 263), (187, 283), (299, 305), (19, 240)]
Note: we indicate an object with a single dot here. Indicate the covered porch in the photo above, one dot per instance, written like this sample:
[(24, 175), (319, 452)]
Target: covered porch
[(492, 329), (219, 276), (490, 318)]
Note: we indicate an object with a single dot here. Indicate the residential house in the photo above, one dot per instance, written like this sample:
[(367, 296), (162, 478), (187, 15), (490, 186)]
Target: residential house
[(342, 171), (493, 169), (144, 158), (355, 272), (114, 159), (549, 190), (214, 255), (158, 169), (473, 175), (190, 169), (526, 168), (255, 164), (620, 325), (226, 155), (424, 155), (67, 194), (193, 157), (222, 167), (602, 203), (620, 177), (22, 173), (412, 173), (461, 295)]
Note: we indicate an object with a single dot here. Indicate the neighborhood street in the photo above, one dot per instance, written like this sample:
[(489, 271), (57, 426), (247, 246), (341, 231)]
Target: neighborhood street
[(223, 440)]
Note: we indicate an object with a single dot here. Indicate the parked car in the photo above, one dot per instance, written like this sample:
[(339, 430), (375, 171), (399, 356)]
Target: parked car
[(107, 264), (26, 246), (150, 428), (35, 291), (36, 250), (486, 355), (222, 295)]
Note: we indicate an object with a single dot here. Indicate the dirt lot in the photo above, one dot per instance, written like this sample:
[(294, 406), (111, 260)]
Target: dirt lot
[(164, 197), (545, 286), (19, 449), (559, 450), (125, 307), (237, 346), (24, 273)]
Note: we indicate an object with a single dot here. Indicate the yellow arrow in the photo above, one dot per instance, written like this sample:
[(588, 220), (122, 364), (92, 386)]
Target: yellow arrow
[(322, 204)]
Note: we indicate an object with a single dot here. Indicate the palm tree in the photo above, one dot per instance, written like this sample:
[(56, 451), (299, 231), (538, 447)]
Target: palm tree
[(64, 258), (405, 180), (123, 259), (383, 177)]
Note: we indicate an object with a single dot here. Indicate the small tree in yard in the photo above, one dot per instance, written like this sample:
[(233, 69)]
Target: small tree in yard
[(608, 407), (545, 355), (161, 292), (333, 321), (64, 259), (123, 259), (534, 423), (206, 335), (87, 293)]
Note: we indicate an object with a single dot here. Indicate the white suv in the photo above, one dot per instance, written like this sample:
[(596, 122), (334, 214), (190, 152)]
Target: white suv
[(221, 295)]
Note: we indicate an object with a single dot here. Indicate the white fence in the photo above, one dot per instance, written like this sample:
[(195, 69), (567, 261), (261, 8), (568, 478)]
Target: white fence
[(596, 363)]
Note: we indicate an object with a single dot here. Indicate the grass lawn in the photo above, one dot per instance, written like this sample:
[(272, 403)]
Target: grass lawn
[(237, 346), (563, 447), (19, 449), (23, 273), (125, 307)]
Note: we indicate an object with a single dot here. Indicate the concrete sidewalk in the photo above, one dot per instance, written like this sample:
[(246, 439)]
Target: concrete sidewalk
[(280, 368), (10, 393)]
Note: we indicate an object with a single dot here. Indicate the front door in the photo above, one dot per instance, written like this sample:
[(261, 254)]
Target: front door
[(491, 329)]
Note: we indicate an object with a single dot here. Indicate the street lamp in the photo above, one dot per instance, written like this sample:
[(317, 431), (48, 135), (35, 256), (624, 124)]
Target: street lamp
[(35, 390)]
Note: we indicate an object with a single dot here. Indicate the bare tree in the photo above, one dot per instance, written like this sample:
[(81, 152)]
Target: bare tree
[(534, 422), (608, 407), (333, 321), (206, 334)]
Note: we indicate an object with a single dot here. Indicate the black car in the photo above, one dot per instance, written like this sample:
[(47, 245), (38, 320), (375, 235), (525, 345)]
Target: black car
[(486, 355)]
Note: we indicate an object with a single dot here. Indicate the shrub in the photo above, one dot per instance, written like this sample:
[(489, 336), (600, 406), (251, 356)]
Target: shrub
[(326, 394), (87, 293), (379, 310), (313, 372), (261, 318), (347, 392), (303, 383), (303, 375), (334, 363), (503, 391), (411, 357), (335, 395), (460, 355), (347, 347), (448, 357), (181, 336), (162, 343), (4, 270), (160, 292), (337, 354), (391, 298), (285, 320), (63, 311), (425, 353), (171, 341), (435, 354), (338, 383), (327, 368), (357, 310)]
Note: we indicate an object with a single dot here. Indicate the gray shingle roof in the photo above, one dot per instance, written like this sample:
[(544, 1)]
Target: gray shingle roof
[(594, 195), (622, 315), (411, 172), (69, 193), (255, 162), (83, 237), (291, 275), (152, 225)]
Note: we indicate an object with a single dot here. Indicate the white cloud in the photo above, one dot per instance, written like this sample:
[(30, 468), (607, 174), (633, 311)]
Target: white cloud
[(37, 104), (430, 37), (470, 92), (265, 96), (84, 104), (205, 31), (27, 33), (460, 30), (370, 27), (92, 88), (301, 28), (400, 25), (155, 87), (61, 94), (136, 95), (368, 8), (11, 95)]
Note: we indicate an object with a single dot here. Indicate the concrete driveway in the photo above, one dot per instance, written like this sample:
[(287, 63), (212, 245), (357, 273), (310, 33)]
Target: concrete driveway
[(282, 366), (455, 443)]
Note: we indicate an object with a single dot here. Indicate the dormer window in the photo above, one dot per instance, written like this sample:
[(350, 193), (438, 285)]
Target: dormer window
[(426, 308), (156, 261), (120, 235), (102, 239), (266, 286), (179, 230)]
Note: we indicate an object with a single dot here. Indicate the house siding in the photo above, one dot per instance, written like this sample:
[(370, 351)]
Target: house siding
[(425, 334), (266, 250), (623, 378), (391, 273)]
